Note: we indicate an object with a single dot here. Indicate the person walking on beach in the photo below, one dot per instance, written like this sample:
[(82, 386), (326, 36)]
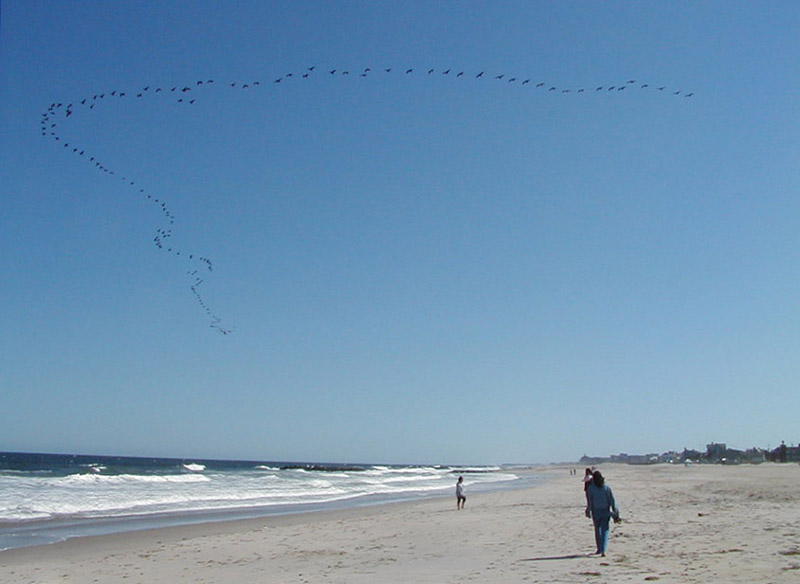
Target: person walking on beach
[(587, 478), (601, 507), (461, 498)]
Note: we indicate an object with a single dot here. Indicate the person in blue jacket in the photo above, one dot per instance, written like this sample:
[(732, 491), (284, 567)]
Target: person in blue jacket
[(601, 507)]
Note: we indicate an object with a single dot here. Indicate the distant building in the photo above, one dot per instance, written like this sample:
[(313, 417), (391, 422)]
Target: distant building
[(593, 460), (691, 455), (785, 453), (755, 455), (716, 453)]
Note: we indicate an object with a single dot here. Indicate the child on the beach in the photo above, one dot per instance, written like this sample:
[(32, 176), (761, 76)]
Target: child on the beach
[(461, 498)]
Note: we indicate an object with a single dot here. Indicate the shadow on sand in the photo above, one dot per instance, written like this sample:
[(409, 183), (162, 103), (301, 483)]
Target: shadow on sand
[(545, 558)]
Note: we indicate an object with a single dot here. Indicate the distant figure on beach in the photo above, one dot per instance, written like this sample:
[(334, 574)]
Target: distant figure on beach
[(461, 498), (587, 478), (601, 507)]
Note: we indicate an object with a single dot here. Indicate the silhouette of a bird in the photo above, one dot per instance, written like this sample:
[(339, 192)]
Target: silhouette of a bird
[(164, 234)]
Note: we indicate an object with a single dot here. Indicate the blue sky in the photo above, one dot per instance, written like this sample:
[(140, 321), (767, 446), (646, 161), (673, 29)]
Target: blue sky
[(415, 267)]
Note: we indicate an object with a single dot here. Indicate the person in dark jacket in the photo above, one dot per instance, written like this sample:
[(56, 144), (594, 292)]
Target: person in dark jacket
[(601, 507), (587, 478)]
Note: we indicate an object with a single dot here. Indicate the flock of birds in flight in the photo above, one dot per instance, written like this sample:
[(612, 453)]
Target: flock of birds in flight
[(188, 95)]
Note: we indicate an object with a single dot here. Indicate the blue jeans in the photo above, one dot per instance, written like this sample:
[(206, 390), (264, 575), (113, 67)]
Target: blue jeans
[(601, 533)]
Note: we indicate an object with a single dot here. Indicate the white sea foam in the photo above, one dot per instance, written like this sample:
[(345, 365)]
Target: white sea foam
[(26, 497), (77, 479)]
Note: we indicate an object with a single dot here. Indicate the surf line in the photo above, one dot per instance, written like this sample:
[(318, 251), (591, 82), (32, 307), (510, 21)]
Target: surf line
[(59, 113)]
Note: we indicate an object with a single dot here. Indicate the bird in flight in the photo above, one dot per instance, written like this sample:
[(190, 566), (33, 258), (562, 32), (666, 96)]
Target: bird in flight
[(147, 93)]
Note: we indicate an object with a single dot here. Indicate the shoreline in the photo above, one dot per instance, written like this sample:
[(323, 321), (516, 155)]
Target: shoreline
[(50, 532), (681, 524), (174, 533)]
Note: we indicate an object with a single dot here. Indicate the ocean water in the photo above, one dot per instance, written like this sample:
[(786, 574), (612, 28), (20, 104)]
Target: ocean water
[(45, 498)]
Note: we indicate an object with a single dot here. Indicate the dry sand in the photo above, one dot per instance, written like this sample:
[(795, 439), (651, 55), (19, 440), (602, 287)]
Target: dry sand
[(681, 524)]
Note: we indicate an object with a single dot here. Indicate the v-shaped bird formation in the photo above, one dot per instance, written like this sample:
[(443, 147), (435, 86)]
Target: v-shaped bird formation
[(58, 114)]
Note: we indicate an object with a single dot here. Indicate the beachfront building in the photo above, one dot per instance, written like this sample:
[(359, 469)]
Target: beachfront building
[(784, 453), (715, 453), (720, 453)]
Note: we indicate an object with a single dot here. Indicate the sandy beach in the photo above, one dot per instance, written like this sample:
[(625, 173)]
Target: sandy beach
[(681, 524)]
